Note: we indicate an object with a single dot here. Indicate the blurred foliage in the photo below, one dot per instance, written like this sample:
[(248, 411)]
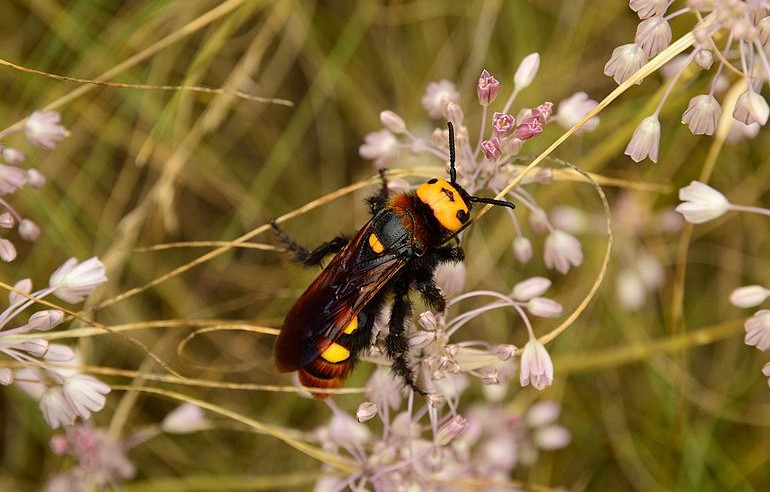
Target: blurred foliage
[(655, 401)]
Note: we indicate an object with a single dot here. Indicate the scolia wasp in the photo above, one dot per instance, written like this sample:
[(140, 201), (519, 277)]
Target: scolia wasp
[(398, 249)]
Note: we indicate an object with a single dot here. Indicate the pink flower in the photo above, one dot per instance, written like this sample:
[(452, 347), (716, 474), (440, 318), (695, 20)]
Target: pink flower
[(645, 141), (43, 129), (701, 203), (491, 148), (85, 394), (702, 115), (437, 96), (382, 146), (749, 296), (11, 178), (522, 249), (7, 250), (57, 411), (536, 365), (530, 288), (487, 88), (502, 124), (528, 130), (562, 251), (544, 307), (648, 8), (74, 281), (184, 419), (393, 122), (758, 330), (573, 109), (653, 35), (751, 108), (527, 70), (624, 62)]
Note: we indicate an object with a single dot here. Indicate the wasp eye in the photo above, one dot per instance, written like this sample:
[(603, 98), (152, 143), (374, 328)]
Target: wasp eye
[(432, 181), (462, 216)]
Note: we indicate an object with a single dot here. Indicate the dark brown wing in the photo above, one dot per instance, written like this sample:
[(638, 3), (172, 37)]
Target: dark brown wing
[(352, 278)]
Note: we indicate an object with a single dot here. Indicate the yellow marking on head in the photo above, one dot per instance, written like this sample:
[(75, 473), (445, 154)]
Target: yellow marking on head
[(335, 353), (448, 206), (375, 243), (352, 326)]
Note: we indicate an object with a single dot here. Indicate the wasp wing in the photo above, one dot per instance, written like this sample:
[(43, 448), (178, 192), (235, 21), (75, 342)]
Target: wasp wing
[(352, 278)]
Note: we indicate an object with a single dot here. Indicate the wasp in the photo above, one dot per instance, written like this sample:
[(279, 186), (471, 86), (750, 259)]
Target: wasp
[(397, 250)]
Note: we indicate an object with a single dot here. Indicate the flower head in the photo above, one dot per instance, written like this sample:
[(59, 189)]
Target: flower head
[(645, 141), (527, 70), (382, 146), (624, 62), (701, 203), (653, 35), (536, 365), (74, 281), (702, 115), (751, 108), (562, 251), (758, 330), (43, 129), (573, 109), (437, 96), (85, 394), (487, 88)]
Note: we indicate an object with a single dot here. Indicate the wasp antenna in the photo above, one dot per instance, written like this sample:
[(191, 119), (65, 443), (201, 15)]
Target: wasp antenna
[(491, 201), (452, 170)]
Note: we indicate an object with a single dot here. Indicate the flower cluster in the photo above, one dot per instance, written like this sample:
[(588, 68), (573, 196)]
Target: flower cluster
[(101, 458), (424, 451), (42, 129), (489, 163), (48, 373), (735, 34)]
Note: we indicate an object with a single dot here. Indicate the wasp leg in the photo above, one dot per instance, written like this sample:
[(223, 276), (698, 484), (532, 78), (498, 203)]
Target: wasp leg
[(396, 344), (449, 254), (309, 257), (431, 294), (377, 202)]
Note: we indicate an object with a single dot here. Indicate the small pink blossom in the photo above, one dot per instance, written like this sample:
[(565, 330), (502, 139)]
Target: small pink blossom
[(381, 146), (43, 129), (85, 394), (487, 88), (392, 122), (184, 419), (749, 296), (366, 411), (544, 307), (530, 288), (653, 35), (527, 70), (502, 124), (522, 249), (12, 178), (536, 365), (701, 203), (750, 108), (645, 141), (702, 115), (562, 251), (491, 148), (13, 156), (648, 8), (57, 411), (28, 230), (7, 250), (758, 330), (573, 109), (624, 62), (528, 130), (437, 96), (75, 280)]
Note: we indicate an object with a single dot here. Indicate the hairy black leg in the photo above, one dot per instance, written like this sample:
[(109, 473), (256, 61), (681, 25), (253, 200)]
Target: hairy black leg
[(449, 254), (431, 294), (377, 202), (309, 257), (396, 344)]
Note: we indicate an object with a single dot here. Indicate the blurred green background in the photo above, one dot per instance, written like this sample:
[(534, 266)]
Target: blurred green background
[(655, 400)]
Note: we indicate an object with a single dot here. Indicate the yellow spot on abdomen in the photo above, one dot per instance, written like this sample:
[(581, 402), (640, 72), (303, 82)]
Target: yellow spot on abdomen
[(335, 353), (352, 326), (375, 243)]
